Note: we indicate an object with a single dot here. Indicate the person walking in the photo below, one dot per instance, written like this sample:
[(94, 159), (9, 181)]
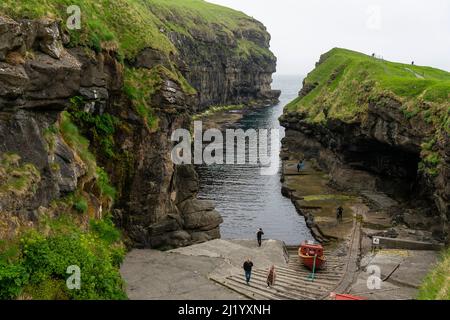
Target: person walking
[(259, 235), (248, 265), (271, 275), (300, 165)]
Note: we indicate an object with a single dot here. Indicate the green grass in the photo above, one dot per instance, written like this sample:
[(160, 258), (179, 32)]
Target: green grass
[(80, 204), (436, 286), (127, 23), (140, 85), (132, 25), (103, 182), (77, 142), (347, 80), (194, 16)]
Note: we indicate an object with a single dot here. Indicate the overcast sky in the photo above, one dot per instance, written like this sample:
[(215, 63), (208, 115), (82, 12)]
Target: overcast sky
[(398, 30)]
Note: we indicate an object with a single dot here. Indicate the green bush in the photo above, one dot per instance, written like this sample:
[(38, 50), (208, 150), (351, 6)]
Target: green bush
[(80, 204), (40, 270), (12, 277), (105, 230), (49, 258), (99, 128)]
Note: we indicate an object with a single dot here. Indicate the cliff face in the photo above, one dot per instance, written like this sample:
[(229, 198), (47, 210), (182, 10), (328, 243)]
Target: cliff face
[(369, 136), (72, 114), (221, 76), (227, 62)]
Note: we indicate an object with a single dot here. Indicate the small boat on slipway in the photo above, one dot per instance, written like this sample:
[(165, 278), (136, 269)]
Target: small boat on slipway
[(311, 255)]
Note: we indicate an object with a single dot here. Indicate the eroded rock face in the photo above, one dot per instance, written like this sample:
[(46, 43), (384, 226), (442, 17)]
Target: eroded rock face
[(379, 151), (221, 75), (157, 205)]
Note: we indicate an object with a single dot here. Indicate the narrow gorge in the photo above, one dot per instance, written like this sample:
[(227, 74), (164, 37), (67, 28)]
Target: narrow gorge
[(94, 206)]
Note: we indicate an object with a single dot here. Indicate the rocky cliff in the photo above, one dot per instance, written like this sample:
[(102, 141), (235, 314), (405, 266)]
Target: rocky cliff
[(225, 57), (86, 115), (377, 125)]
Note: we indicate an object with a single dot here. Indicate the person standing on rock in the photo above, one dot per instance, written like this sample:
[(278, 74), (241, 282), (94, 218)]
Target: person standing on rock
[(248, 265), (271, 277), (259, 235)]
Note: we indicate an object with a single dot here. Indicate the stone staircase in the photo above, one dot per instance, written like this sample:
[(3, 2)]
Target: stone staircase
[(292, 281)]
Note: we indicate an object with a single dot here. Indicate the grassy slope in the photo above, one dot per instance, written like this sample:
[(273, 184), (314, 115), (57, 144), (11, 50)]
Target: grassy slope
[(436, 285), (135, 24), (190, 17), (347, 80)]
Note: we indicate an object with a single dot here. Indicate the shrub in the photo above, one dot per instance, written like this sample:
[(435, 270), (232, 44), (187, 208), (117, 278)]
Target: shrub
[(105, 230), (98, 128), (39, 270), (80, 204), (12, 277)]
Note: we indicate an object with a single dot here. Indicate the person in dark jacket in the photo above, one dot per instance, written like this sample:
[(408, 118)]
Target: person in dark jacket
[(300, 165), (259, 235), (248, 265), (339, 213)]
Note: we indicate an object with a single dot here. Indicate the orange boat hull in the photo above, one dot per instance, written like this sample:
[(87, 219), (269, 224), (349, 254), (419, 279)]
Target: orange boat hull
[(308, 261), (347, 297)]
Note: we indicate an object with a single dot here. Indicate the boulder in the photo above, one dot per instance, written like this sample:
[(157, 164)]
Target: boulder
[(174, 239), (50, 38), (10, 36), (52, 79), (204, 220), (203, 236), (195, 205), (167, 224), (29, 29), (69, 168)]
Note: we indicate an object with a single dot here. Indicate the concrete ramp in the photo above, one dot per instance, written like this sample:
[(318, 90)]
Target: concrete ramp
[(186, 273)]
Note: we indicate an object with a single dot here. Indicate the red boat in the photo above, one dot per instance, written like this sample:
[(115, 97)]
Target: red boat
[(311, 255), (339, 296)]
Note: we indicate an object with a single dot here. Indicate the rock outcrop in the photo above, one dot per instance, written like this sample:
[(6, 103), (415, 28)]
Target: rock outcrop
[(378, 149), (226, 64), (222, 76)]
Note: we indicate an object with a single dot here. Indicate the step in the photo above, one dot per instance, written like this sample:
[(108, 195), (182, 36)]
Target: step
[(259, 289), (303, 280), (281, 292), (308, 290), (245, 290), (305, 273)]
